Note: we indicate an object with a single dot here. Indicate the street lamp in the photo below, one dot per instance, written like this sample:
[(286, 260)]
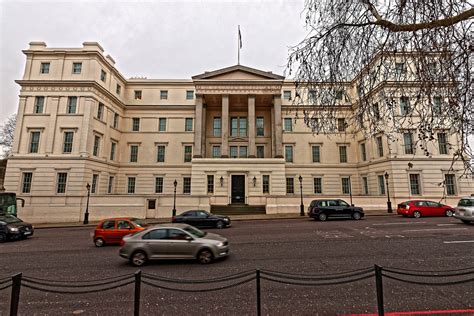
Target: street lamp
[(175, 183), (300, 178), (86, 214), (350, 190), (389, 203)]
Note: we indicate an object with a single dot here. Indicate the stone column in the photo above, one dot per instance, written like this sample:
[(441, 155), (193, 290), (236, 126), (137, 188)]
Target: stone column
[(19, 126), (251, 124), (278, 127), (272, 113), (86, 137), (198, 128), (203, 127), (53, 109), (225, 127)]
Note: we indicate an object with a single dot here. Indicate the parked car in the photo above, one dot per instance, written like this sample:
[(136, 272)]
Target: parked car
[(112, 230), (324, 209), (199, 218), (465, 210), (11, 227), (419, 208), (173, 241)]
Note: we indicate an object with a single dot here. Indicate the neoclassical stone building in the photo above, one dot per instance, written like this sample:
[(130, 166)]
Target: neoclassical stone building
[(226, 136)]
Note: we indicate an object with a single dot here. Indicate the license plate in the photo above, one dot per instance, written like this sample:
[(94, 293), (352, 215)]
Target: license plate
[(27, 233)]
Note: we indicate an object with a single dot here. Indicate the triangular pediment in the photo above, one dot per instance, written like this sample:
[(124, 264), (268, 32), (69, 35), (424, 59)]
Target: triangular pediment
[(238, 72)]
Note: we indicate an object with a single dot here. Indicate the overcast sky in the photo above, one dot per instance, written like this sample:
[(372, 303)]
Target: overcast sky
[(155, 39)]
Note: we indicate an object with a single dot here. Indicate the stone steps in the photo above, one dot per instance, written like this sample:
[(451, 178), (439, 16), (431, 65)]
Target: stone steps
[(238, 209)]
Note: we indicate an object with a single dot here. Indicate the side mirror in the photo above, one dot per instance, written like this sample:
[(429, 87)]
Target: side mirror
[(189, 238)]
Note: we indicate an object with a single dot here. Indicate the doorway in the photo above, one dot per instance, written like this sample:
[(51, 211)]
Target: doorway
[(238, 189)]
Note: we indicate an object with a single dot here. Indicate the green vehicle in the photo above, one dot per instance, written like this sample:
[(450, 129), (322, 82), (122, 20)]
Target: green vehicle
[(8, 204)]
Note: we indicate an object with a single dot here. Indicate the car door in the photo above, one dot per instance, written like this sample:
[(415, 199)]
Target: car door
[(107, 231), (124, 227), (179, 246), (437, 209), (333, 208), (156, 243), (190, 218), (344, 209), (202, 219)]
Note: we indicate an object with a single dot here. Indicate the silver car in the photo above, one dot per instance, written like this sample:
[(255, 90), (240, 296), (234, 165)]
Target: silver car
[(173, 241), (465, 210)]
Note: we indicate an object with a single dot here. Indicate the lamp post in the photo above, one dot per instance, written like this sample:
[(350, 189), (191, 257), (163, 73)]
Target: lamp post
[(86, 214), (389, 203), (300, 178), (175, 183), (350, 190)]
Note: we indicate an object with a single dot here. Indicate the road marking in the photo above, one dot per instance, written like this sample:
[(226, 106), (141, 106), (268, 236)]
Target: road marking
[(446, 224), (390, 236), (432, 312), (404, 223), (457, 241), (432, 229)]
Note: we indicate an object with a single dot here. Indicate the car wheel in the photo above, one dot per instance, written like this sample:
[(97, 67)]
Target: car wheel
[(99, 242), (3, 238), (138, 258), (449, 213), (356, 216), (220, 224), (322, 217), (465, 221), (205, 256), (416, 214)]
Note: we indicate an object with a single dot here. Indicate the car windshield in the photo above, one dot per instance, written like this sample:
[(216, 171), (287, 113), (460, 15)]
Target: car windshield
[(138, 222), (9, 219), (466, 202), (194, 231), (342, 203)]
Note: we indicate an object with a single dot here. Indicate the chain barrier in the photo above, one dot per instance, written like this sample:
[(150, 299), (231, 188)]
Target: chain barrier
[(432, 271), (6, 286), (83, 281), (306, 277), (44, 289), (426, 274), (199, 290), (208, 281), (429, 283), (5, 281), (317, 283), (68, 285)]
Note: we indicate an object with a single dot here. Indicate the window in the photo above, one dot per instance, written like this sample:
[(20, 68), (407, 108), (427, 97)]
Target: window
[(242, 126), (138, 94), (156, 234), (34, 142), (365, 185), (217, 127), (113, 149), (116, 119), (118, 89), (188, 124), (450, 184), (404, 106), (39, 105), (233, 126), (151, 204), (160, 156), (316, 153), (289, 153), (436, 105), (162, 124), (189, 94), (363, 152), (135, 124), (265, 183), (210, 183), (379, 146), (164, 94), (346, 185), (290, 187), (186, 185), (71, 105), (95, 150), (408, 143), (158, 184), (260, 151), (188, 153), (260, 126), (287, 95), (61, 183), (133, 153), (100, 111), (376, 111), (103, 75), (342, 153), (381, 184), (312, 96), (415, 184), (288, 124), (216, 151), (95, 178), (68, 139), (341, 124), (131, 185), (442, 144), (400, 69), (110, 186), (26, 182), (234, 151), (76, 68), (339, 94), (243, 152), (44, 68), (318, 185)]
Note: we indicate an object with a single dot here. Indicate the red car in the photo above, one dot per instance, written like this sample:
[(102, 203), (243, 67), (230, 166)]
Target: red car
[(112, 230), (419, 208)]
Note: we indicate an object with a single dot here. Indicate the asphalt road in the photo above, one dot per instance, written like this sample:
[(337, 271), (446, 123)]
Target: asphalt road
[(298, 246)]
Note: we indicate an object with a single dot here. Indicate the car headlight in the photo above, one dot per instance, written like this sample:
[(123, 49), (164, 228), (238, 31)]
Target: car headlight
[(13, 229), (226, 219), (221, 244)]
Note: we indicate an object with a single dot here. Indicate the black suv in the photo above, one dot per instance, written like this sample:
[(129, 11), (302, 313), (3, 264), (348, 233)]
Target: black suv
[(322, 209), (12, 227)]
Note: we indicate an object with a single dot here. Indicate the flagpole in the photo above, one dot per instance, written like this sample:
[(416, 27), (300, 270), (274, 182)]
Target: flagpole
[(238, 46)]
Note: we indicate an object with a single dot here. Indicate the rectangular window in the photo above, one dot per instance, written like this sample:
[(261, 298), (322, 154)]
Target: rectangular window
[(134, 153), (34, 142), (288, 124), (243, 151), (118, 89), (113, 149), (289, 153), (138, 94), (216, 151), (316, 153), (26, 182), (415, 184), (135, 124), (61, 183), (116, 120), (312, 96), (210, 183), (342, 153), (379, 146), (400, 69), (188, 153), (408, 143), (265, 183), (436, 106), (287, 95), (318, 185), (365, 185), (44, 68), (217, 127), (95, 178), (186, 185), (260, 126), (164, 94), (189, 94), (39, 105), (404, 106), (103, 75), (234, 151), (131, 185), (233, 126), (188, 124), (160, 153), (95, 150), (442, 144), (76, 68), (100, 111), (339, 94), (71, 105), (162, 124), (158, 184), (260, 151), (110, 186), (363, 152), (346, 185), (450, 184), (381, 184), (341, 124), (68, 139), (290, 186), (376, 111)]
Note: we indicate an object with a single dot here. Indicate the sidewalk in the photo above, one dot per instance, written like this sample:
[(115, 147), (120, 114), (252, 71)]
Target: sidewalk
[(232, 217)]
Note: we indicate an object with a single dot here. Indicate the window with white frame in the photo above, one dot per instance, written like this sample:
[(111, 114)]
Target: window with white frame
[(61, 182), (188, 153), (68, 141), (216, 151), (379, 142), (442, 144), (346, 185), (158, 184), (95, 180), (39, 105), (164, 94), (287, 95), (187, 185), (365, 185), (436, 106), (287, 124), (260, 151), (415, 184), (210, 183), (376, 111), (116, 120), (100, 111), (265, 184), (34, 142), (71, 105), (242, 151), (234, 151), (131, 185), (188, 124), (404, 106), (238, 126), (44, 69), (137, 94), (260, 126), (290, 185), (162, 124), (341, 124), (161, 151), (189, 94), (96, 148), (363, 152), (408, 143), (316, 153), (135, 124), (103, 75), (289, 153), (343, 153), (318, 185), (26, 182), (113, 149), (134, 153), (76, 68), (450, 184), (400, 70), (217, 126), (381, 181), (118, 89), (110, 186)]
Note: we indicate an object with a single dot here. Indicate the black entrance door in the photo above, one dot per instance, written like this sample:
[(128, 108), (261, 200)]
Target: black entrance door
[(238, 189)]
